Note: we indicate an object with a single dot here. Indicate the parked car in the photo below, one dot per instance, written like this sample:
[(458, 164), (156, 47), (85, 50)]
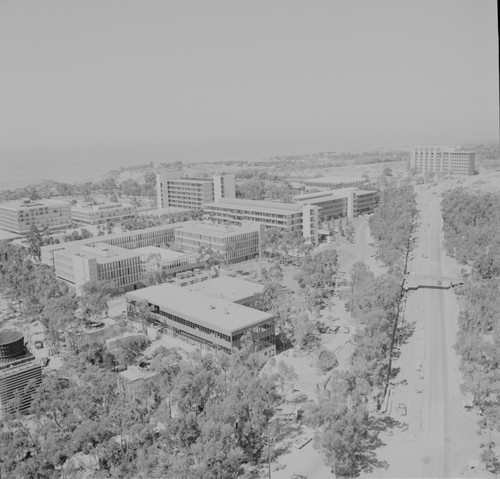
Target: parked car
[(38, 345), (345, 330), (402, 409), (45, 361)]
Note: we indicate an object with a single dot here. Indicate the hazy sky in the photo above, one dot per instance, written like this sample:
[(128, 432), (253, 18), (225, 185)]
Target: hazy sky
[(210, 77)]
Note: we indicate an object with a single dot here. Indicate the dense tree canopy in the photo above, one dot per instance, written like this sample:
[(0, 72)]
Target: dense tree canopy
[(472, 230)]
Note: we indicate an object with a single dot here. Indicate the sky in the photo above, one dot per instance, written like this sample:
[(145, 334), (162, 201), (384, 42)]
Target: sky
[(205, 79)]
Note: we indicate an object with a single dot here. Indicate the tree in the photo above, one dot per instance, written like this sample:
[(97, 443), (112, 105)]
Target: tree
[(35, 242), (344, 434), (95, 296), (318, 275), (327, 360)]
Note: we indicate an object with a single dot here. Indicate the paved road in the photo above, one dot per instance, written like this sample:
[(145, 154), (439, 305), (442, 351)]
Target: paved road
[(450, 436), (437, 437)]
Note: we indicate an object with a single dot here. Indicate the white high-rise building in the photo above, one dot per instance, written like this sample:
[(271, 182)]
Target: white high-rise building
[(444, 159), (175, 191)]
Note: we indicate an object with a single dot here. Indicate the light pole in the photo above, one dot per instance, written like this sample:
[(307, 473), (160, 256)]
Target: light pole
[(269, 439)]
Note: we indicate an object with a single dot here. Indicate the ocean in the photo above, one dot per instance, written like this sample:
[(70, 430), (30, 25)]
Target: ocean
[(20, 168), (23, 168)]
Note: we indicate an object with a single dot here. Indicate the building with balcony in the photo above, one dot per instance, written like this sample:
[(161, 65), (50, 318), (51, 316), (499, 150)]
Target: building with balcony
[(20, 215), (101, 213), (344, 202), (229, 243), (286, 216), (173, 190), (207, 322), (20, 374), (442, 159)]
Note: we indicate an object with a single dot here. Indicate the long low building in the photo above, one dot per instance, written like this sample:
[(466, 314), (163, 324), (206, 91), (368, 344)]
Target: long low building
[(344, 202), (286, 216), (154, 236), (333, 182), (101, 213), (208, 322), (20, 215)]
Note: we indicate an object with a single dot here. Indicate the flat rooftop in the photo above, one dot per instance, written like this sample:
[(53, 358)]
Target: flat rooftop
[(105, 205), (227, 288), (166, 254), (257, 205), (214, 313), (8, 236), (25, 203), (340, 193), (101, 251), (137, 234), (335, 180), (134, 373), (219, 230)]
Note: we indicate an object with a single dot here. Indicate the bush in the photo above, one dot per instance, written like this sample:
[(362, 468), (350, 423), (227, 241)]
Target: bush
[(327, 360)]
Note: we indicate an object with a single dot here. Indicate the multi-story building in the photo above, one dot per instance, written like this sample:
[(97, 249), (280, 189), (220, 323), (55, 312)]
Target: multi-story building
[(98, 262), (231, 289), (155, 236), (101, 213), (333, 182), (345, 202), (181, 192), (20, 373), (443, 159), (365, 201), (286, 216), (230, 243), (19, 216), (165, 260), (208, 322)]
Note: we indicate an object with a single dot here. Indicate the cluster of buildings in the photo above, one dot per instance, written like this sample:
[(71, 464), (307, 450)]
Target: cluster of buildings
[(126, 258), (20, 215)]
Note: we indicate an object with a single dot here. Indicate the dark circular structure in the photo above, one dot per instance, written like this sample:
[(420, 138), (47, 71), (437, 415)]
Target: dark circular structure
[(11, 345)]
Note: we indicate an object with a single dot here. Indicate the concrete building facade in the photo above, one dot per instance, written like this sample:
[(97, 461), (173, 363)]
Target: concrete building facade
[(19, 216), (345, 202), (98, 262), (286, 216), (173, 190), (101, 213), (20, 374), (230, 243), (207, 322), (155, 236), (443, 159)]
